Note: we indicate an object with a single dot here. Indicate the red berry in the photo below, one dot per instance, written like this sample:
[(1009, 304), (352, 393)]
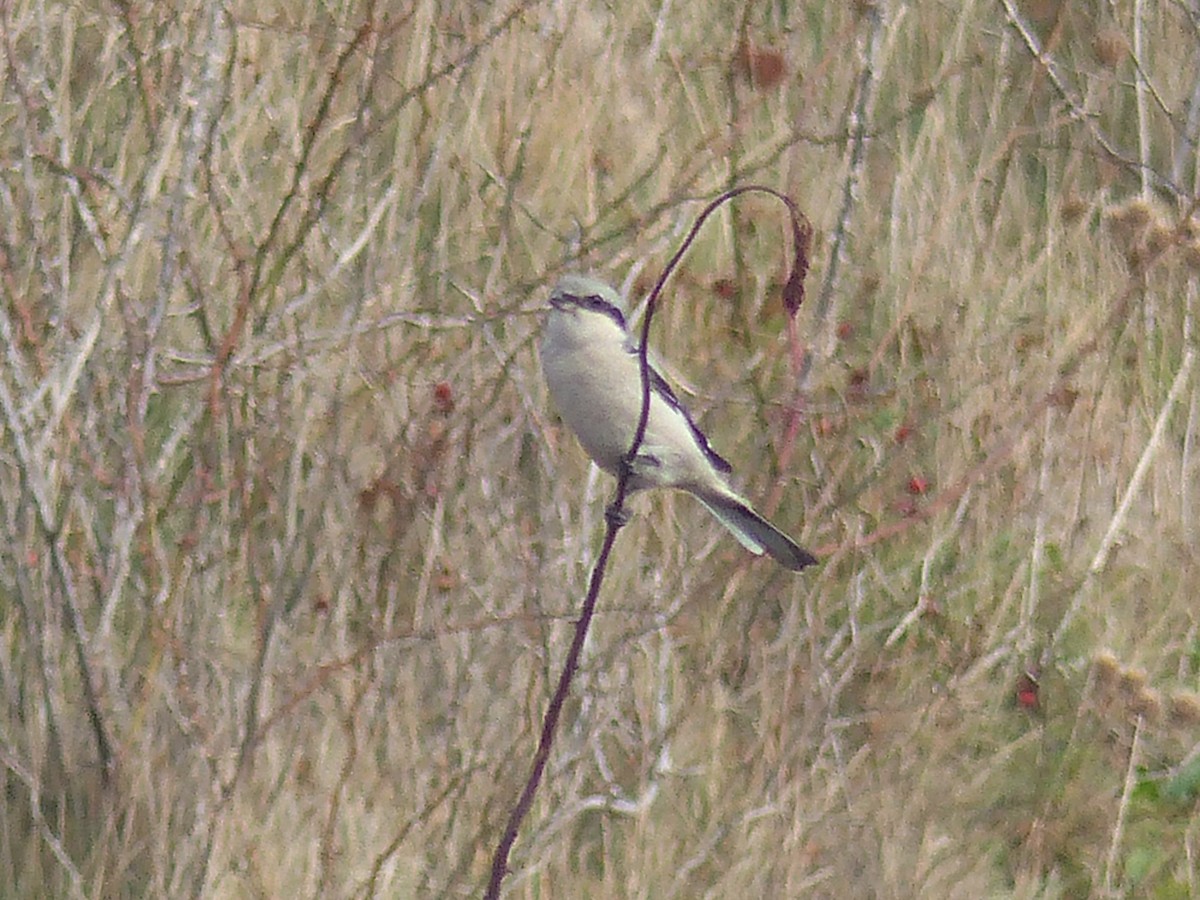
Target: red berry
[(1027, 692), (443, 397), (918, 485), (724, 288)]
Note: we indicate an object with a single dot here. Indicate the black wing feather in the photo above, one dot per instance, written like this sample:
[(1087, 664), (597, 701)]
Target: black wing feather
[(659, 385)]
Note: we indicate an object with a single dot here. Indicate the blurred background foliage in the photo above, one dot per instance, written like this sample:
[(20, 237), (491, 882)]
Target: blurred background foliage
[(293, 541)]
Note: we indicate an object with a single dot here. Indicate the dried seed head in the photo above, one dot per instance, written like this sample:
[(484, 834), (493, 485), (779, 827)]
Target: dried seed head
[(1109, 47), (1131, 682), (1159, 237), (1184, 709), (1191, 255), (1063, 397), (1130, 217), (1106, 669), (1073, 208), (1136, 258), (1147, 704)]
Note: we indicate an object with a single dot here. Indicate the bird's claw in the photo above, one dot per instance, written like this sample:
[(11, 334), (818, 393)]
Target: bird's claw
[(616, 516), (626, 467)]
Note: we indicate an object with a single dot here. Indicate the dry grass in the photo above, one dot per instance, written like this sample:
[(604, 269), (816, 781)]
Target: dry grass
[(292, 538)]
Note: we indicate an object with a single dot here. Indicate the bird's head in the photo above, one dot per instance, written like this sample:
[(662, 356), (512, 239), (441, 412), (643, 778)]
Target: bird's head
[(582, 295)]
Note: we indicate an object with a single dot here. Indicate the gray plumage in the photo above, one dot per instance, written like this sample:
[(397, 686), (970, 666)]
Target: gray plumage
[(591, 367)]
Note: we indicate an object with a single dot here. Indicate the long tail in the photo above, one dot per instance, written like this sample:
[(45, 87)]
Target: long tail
[(755, 533)]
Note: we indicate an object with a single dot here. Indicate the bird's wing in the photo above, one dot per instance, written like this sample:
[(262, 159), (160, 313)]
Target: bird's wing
[(659, 385)]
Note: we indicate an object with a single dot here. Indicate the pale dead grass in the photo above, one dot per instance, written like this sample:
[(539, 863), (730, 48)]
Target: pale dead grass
[(283, 425)]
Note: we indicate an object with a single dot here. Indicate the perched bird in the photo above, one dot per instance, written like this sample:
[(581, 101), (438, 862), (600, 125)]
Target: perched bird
[(591, 367)]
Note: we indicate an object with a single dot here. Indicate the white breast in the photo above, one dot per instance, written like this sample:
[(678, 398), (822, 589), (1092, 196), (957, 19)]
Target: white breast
[(596, 384)]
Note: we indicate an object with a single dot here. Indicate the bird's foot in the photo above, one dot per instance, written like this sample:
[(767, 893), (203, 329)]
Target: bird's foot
[(616, 516), (625, 469)]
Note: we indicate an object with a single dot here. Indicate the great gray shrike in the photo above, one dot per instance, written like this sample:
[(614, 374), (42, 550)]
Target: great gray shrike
[(591, 366)]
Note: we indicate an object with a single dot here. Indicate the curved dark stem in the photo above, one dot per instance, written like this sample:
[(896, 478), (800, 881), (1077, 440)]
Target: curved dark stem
[(793, 289), (793, 295), (615, 519)]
